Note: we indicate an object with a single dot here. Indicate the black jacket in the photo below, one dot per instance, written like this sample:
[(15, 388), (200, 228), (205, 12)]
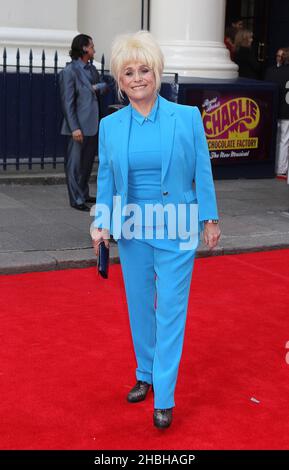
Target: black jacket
[(249, 67), (280, 75)]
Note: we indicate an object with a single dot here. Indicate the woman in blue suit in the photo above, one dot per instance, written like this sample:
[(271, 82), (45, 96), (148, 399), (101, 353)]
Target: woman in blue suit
[(153, 153)]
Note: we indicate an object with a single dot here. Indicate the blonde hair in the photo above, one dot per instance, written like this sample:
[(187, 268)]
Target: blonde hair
[(242, 38), (136, 47)]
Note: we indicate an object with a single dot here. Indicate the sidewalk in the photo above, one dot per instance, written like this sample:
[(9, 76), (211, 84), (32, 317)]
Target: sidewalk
[(39, 231)]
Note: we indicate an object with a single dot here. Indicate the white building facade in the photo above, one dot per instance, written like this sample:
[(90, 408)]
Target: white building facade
[(190, 32)]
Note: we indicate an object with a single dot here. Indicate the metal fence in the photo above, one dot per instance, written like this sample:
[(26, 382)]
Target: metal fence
[(31, 115)]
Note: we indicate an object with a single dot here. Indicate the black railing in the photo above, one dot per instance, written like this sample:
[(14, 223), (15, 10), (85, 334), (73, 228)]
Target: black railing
[(31, 115)]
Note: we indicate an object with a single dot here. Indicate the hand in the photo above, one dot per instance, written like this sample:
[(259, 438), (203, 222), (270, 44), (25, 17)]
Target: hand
[(212, 234), (101, 88), (77, 136), (99, 235)]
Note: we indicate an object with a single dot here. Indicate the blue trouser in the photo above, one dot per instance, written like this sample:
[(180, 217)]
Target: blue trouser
[(157, 277)]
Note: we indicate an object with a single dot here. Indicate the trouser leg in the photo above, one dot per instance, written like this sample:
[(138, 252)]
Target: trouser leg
[(173, 270), (136, 259), (282, 148), (78, 165), (88, 152), (73, 171)]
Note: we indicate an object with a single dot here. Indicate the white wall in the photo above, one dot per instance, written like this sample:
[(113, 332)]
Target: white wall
[(194, 20), (104, 20), (191, 35), (37, 25), (46, 14), (190, 32), (39, 14)]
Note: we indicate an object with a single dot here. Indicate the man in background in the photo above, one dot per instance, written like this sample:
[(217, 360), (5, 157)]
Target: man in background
[(280, 75), (236, 24), (280, 57), (79, 87)]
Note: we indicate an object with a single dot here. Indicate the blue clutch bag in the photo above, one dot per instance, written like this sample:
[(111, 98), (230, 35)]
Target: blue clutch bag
[(103, 260)]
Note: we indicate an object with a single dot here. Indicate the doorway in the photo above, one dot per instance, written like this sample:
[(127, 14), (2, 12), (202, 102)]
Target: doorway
[(255, 16)]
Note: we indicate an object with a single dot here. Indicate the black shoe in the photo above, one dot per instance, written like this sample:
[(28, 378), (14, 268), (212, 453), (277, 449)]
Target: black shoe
[(81, 207), (91, 199), (138, 392), (163, 418)]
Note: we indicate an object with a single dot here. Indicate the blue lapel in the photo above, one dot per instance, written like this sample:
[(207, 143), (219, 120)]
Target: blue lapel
[(167, 129), (124, 121)]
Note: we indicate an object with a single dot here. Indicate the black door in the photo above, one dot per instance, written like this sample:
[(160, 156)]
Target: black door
[(255, 16)]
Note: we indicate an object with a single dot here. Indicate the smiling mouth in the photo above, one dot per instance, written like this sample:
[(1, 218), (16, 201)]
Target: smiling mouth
[(139, 86)]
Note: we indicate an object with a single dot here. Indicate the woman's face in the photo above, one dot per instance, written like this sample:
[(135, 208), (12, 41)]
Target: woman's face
[(250, 40), (138, 81), (279, 57), (89, 49)]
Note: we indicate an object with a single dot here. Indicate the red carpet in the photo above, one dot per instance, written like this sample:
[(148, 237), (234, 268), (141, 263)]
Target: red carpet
[(67, 361)]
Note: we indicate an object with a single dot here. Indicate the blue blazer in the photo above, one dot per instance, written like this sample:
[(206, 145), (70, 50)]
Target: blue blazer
[(186, 168)]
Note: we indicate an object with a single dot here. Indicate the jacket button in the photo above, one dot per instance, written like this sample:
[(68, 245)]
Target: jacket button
[(165, 193)]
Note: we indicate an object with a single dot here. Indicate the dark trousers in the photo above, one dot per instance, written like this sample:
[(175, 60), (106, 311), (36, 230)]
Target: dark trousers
[(78, 165)]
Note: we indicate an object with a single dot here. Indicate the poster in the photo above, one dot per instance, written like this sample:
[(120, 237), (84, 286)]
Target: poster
[(239, 124)]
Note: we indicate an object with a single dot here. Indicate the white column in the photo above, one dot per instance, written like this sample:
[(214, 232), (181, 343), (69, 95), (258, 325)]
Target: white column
[(103, 21), (191, 35), (37, 25)]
